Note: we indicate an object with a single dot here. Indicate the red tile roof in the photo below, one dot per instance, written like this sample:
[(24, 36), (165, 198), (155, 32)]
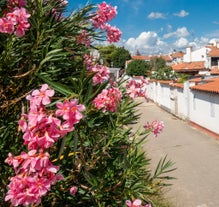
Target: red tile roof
[(167, 58), (177, 54), (214, 51), (210, 85), (191, 66), (215, 71), (141, 57), (178, 85)]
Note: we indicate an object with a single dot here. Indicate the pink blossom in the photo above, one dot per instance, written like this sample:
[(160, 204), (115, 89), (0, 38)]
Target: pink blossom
[(108, 99), (136, 88), (27, 190), (104, 14), (43, 95), (6, 26), (113, 33), (73, 190), (34, 175), (84, 38), (102, 74), (70, 111), (18, 3), (136, 203), (19, 17), (156, 127)]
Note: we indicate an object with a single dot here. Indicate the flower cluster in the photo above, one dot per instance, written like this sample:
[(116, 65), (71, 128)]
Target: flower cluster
[(108, 99), (136, 203), (104, 14), (34, 176), (101, 71), (136, 88), (42, 129), (35, 173), (84, 38), (16, 3), (15, 21), (156, 127), (113, 33)]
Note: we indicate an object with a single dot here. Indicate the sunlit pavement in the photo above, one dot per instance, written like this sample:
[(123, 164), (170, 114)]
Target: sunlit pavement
[(195, 154)]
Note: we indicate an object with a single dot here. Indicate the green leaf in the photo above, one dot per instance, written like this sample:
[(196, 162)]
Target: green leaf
[(61, 88)]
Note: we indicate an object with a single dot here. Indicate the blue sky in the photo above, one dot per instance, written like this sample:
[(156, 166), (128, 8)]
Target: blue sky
[(161, 26)]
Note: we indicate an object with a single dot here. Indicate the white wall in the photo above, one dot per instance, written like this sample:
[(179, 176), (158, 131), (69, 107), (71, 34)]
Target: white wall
[(205, 110), (197, 55), (199, 107)]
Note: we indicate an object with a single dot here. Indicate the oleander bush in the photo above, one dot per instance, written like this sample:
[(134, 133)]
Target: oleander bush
[(65, 128)]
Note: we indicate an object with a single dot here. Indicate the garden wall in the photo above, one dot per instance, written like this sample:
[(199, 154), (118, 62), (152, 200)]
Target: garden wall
[(199, 107)]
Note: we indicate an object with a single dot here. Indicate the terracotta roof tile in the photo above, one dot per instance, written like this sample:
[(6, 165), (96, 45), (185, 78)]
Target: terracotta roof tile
[(215, 71), (214, 51), (165, 81), (195, 80), (178, 85), (141, 57), (177, 55), (191, 66), (167, 58), (210, 85)]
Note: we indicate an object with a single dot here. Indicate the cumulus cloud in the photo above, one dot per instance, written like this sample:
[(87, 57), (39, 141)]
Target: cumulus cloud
[(180, 32), (147, 43), (181, 14), (156, 15), (181, 43)]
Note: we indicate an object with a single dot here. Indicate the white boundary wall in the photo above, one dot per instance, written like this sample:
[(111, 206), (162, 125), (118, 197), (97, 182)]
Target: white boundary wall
[(199, 107)]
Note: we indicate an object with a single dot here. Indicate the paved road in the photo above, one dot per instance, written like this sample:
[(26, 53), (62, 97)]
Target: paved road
[(196, 156)]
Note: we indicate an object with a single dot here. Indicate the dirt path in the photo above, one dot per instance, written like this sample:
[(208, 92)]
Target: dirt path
[(196, 156)]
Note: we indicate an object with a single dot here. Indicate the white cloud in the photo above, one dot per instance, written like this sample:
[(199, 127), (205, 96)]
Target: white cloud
[(156, 15), (147, 43), (180, 32), (182, 13), (181, 43)]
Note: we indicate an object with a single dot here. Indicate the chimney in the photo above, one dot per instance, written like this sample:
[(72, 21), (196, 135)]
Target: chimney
[(188, 54)]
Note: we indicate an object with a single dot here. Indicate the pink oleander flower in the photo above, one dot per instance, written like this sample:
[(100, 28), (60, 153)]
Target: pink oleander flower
[(88, 61), (41, 96), (136, 88), (19, 17), (34, 176), (27, 190), (84, 38), (70, 111), (113, 33), (6, 26), (136, 203), (42, 129), (73, 190), (18, 3), (102, 74), (104, 14), (156, 127), (108, 99)]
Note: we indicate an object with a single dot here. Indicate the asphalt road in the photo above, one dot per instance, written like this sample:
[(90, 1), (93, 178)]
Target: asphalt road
[(195, 154)]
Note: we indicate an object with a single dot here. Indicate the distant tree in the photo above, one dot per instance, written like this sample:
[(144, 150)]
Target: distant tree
[(138, 68), (119, 57), (138, 53), (106, 53), (160, 71), (157, 63)]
